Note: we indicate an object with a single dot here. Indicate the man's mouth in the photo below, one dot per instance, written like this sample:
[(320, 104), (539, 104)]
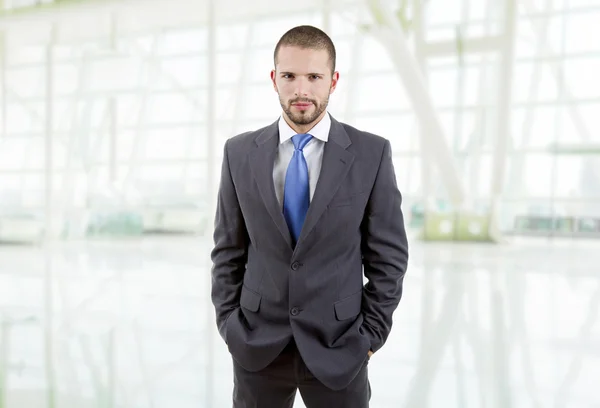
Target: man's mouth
[(302, 105)]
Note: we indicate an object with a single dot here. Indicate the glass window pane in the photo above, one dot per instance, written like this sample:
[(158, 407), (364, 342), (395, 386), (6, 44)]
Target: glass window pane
[(269, 31), (534, 126), (412, 179), (581, 75), (440, 12), (373, 56), (380, 93), (259, 66), (534, 82), (539, 36), (230, 36), (27, 82), (474, 91), (569, 176), (25, 54), (442, 86), (590, 118), (471, 129), (176, 143), (25, 118), (116, 73), (66, 79), (481, 174), (183, 41), (174, 108), (181, 73), (537, 175), (260, 103), (581, 27), (229, 68), (400, 130), (12, 152)]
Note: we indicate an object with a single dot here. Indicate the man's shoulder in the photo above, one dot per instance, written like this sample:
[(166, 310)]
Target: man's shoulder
[(361, 136), (246, 138)]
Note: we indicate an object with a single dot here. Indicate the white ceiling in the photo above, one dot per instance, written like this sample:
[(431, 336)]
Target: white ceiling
[(90, 18)]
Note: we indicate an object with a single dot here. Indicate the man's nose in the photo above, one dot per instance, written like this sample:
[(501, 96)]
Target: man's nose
[(301, 87)]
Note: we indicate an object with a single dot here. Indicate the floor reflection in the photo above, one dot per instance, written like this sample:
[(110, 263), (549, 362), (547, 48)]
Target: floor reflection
[(130, 324)]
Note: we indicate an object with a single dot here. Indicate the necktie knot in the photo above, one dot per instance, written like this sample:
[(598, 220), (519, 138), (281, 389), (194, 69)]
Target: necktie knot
[(300, 140)]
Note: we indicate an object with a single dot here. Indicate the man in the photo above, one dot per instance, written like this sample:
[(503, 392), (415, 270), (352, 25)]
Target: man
[(304, 205)]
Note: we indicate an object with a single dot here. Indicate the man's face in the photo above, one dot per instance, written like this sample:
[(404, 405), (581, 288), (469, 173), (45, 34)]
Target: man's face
[(303, 80)]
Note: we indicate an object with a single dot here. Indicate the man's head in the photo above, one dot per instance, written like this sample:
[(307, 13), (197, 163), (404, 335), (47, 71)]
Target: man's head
[(304, 74)]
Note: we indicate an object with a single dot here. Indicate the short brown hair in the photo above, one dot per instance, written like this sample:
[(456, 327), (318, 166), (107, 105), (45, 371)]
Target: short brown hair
[(307, 37)]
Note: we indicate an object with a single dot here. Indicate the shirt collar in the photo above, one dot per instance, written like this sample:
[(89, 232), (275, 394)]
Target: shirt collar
[(319, 131)]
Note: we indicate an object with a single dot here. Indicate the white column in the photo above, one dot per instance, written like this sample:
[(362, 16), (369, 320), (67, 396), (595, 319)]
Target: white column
[(211, 188), (49, 225), (211, 126), (112, 106), (392, 37), (326, 25), (504, 102), (112, 141), (4, 360), (48, 137), (3, 82), (426, 159), (352, 77)]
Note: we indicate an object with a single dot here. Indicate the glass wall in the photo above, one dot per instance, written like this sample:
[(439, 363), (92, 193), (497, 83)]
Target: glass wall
[(124, 112)]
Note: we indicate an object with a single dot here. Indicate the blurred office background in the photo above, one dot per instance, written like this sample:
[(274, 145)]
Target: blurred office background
[(113, 116)]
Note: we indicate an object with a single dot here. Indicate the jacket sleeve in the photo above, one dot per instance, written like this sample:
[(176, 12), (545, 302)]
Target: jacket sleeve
[(230, 251), (385, 253)]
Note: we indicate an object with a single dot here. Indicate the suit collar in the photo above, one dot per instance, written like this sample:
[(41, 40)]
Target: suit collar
[(337, 133), (319, 131)]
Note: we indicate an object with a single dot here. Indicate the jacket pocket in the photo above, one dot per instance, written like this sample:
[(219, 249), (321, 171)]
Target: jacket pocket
[(348, 307), (345, 200), (250, 300)]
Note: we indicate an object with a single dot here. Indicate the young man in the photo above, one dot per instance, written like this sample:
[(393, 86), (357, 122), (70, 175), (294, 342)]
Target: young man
[(305, 204)]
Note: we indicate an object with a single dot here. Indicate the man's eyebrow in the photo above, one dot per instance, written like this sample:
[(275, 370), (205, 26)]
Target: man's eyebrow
[(292, 73)]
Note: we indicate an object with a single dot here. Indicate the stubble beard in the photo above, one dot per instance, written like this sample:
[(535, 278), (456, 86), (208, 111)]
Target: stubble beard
[(302, 118)]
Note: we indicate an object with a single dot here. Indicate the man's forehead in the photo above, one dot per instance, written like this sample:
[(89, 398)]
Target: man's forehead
[(303, 63)]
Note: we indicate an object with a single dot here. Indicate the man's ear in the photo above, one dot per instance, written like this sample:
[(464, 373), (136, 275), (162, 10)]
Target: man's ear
[(334, 81), (273, 72)]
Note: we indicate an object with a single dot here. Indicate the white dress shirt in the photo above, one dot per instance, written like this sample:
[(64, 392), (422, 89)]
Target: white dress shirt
[(313, 153)]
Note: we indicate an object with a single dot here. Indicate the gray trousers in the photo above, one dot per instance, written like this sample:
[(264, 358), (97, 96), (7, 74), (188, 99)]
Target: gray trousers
[(275, 386)]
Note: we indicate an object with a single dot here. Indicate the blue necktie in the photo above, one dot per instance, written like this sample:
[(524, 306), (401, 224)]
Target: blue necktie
[(296, 195)]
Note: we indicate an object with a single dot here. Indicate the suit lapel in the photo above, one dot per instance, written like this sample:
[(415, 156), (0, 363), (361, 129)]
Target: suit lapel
[(262, 162), (336, 163)]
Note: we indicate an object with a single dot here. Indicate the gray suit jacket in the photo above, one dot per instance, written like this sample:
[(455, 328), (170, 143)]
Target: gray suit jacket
[(265, 291)]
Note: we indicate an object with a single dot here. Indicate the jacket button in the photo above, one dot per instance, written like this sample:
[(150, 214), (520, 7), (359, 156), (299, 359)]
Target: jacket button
[(295, 266), (294, 311)]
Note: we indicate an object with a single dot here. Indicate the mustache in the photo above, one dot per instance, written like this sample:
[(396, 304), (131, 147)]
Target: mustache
[(303, 101)]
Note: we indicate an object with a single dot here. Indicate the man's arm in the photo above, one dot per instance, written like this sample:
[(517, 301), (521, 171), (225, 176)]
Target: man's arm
[(230, 250), (384, 251)]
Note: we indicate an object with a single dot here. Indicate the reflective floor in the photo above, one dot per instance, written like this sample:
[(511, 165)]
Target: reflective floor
[(129, 324)]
